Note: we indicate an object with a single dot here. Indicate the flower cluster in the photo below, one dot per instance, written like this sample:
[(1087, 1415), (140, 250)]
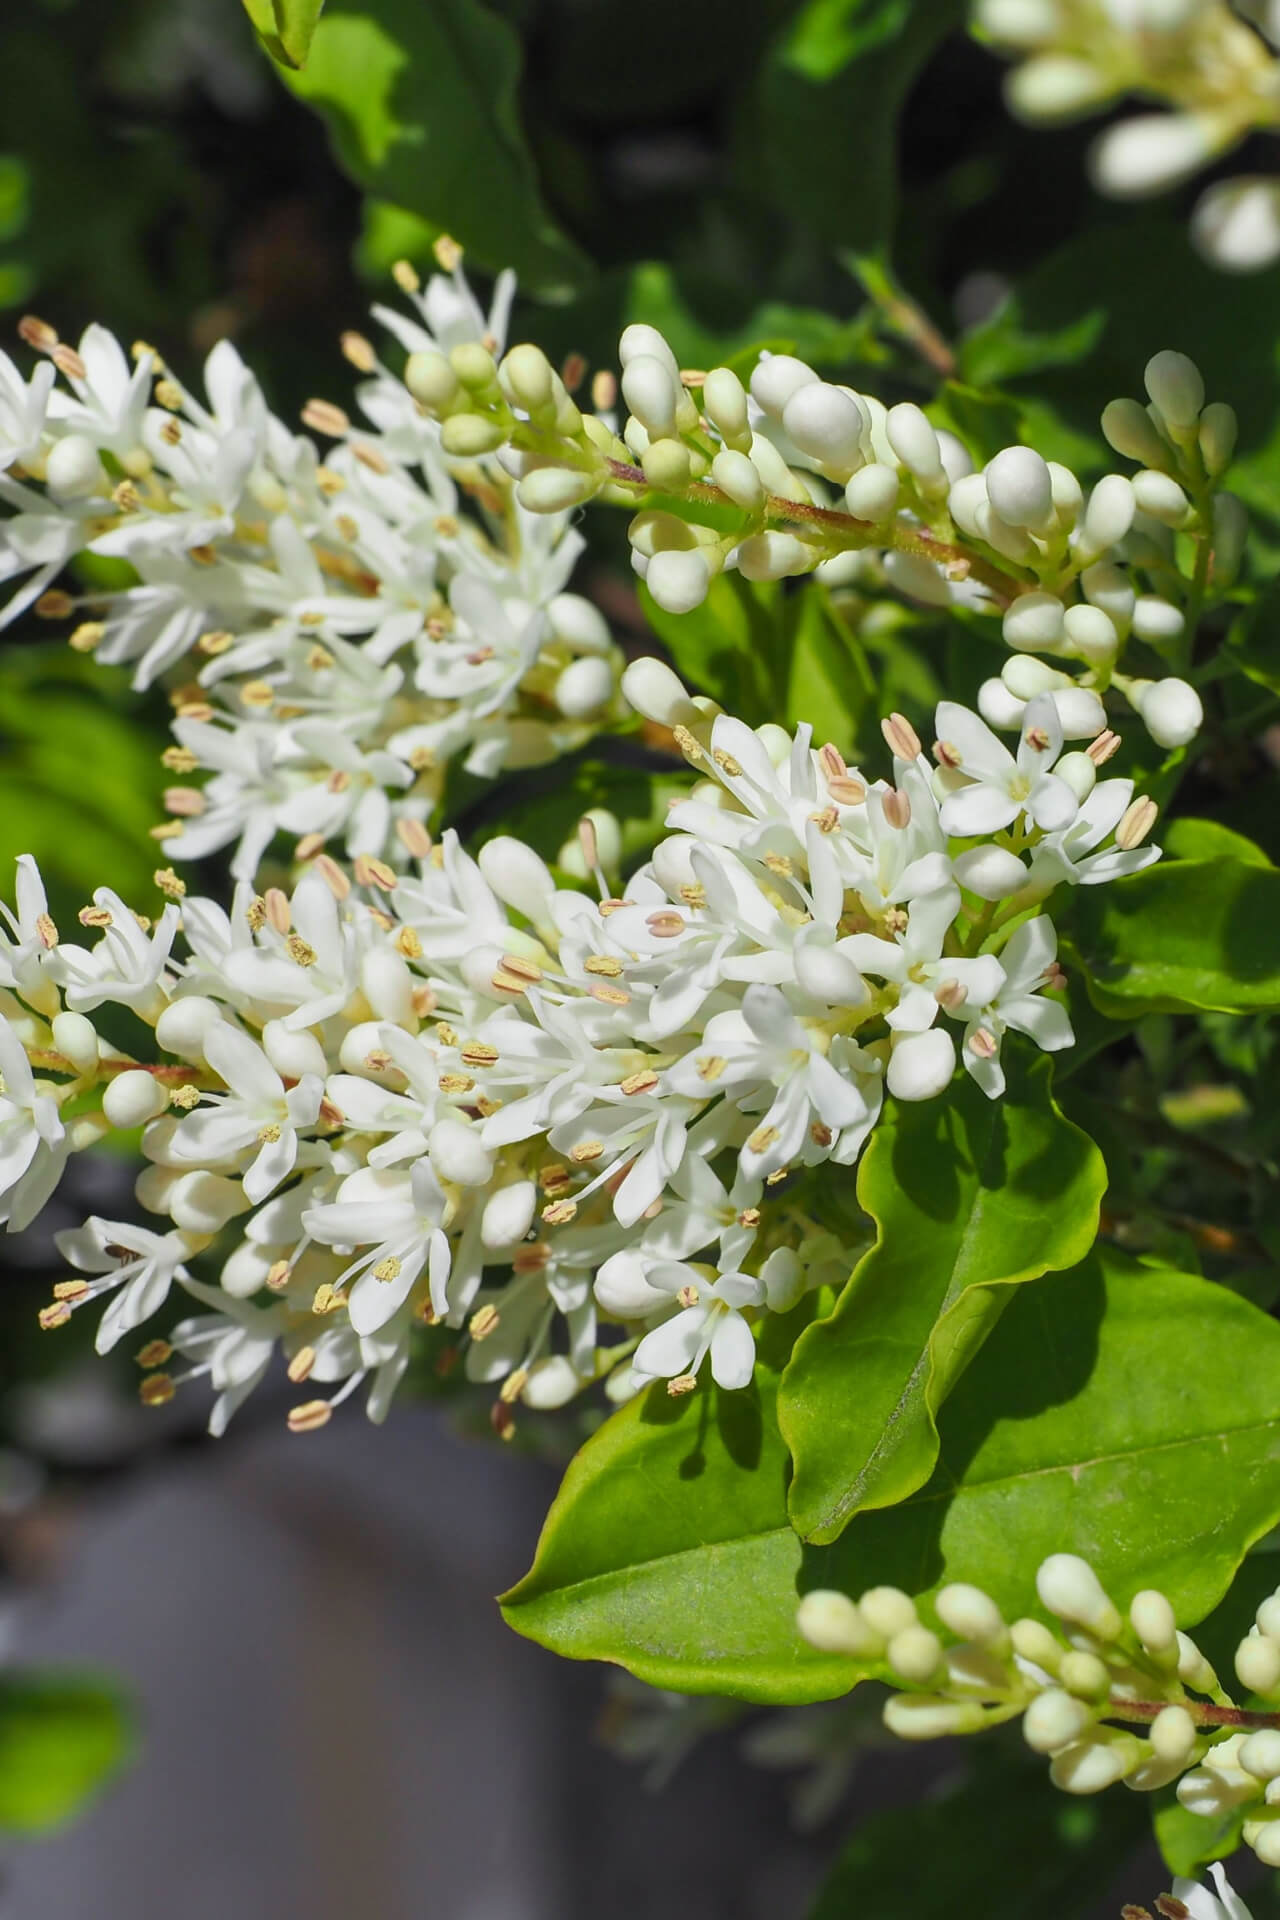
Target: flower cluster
[(1214, 68), (1073, 1682), (357, 623), (462, 1093), (793, 475)]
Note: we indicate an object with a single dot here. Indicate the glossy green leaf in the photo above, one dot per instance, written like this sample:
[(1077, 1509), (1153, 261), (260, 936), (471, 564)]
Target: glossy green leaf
[(1186, 933), (728, 646), (61, 1739), (1085, 1426), (1189, 1841), (668, 1552), (827, 100), (829, 682), (421, 99), (970, 1196), (1005, 1843), (285, 27), (1187, 838)]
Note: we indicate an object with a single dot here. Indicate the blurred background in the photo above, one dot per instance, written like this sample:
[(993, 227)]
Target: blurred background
[(295, 1640)]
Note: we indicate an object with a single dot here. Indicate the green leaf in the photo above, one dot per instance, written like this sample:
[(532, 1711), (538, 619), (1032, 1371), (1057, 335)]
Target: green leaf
[(1191, 839), (1084, 1426), (61, 1739), (1255, 639), (1189, 1841), (825, 107), (421, 99), (1003, 1844), (829, 682), (970, 1196), (285, 27), (1189, 933), (668, 1552), (1080, 1427), (728, 646)]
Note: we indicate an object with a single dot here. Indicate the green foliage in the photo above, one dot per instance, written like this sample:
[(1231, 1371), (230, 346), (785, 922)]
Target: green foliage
[(420, 98), (970, 1196), (1186, 933), (61, 1740), (285, 27), (996, 1844)]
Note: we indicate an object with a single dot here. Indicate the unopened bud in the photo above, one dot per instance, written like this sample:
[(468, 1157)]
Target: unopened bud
[(1258, 1663), (1069, 1587), (915, 1654), (1053, 1720), (832, 1623)]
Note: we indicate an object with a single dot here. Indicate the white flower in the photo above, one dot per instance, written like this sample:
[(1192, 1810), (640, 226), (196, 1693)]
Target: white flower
[(398, 1217), (1202, 1905), (256, 1115), (1002, 786), (233, 1345), (24, 957), (710, 1320), (1076, 854), (1027, 964), (32, 1137), (125, 967), (137, 1266)]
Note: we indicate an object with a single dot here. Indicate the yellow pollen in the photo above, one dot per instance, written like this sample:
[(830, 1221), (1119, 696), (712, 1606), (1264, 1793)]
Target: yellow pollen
[(169, 884), (86, 636), (603, 964), (749, 1217), (70, 1289), (513, 1386), (388, 1269), (688, 1296), (184, 1098), (299, 950), (482, 1322), (269, 1134), (553, 1178), (408, 944), (682, 1384), (46, 932), (374, 873), (779, 863), (300, 1366), (762, 1138), (643, 1082), (827, 821), (327, 1299), (154, 1354), (278, 1277), (310, 1416), (478, 1053), (586, 1151), (560, 1213), (156, 1391), (94, 917), (710, 1066)]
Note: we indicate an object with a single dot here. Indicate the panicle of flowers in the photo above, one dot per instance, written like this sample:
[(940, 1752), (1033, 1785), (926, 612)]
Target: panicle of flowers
[(793, 475), (1212, 65), (336, 631), (1106, 1696), (574, 1132)]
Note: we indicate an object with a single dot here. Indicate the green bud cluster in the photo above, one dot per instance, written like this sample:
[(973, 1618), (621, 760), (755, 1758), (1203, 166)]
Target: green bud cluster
[(1105, 1696)]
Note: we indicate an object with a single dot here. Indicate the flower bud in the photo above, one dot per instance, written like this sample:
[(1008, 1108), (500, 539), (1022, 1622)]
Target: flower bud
[(1090, 635), (508, 1214), (1152, 1619), (888, 1610), (1109, 514), (832, 1623), (1236, 224), (294, 1052), (829, 975), (965, 502), (667, 465), (468, 435), (1068, 494), (872, 494), (1173, 1735), (518, 877), (1129, 428), (970, 1613), (1109, 587), (76, 1039), (1218, 429), (1084, 1675), (584, 687), (1175, 386), (527, 379), (1069, 1587), (204, 1202), (357, 1044), (1081, 714), (1268, 1616), (923, 1716), (73, 469), (245, 1272), (1258, 1663), (1034, 623), (1193, 1669), (1017, 23), (1264, 1837), (678, 581), (652, 393), (777, 376), (1032, 1641), (1260, 1754), (182, 1026), (827, 424), (133, 1098), (1079, 772), (1054, 86), (957, 461), (993, 873), (387, 985), (1159, 495), (772, 555), (921, 1065), (1053, 1720), (918, 578), (724, 401), (1000, 707), (914, 441), (1171, 710), (1094, 1764), (552, 1383), (652, 688), (552, 489), (735, 474), (579, 624), (431, 380), (1149, 153), (1019, 487), (915, 1655), (458, 1153)]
